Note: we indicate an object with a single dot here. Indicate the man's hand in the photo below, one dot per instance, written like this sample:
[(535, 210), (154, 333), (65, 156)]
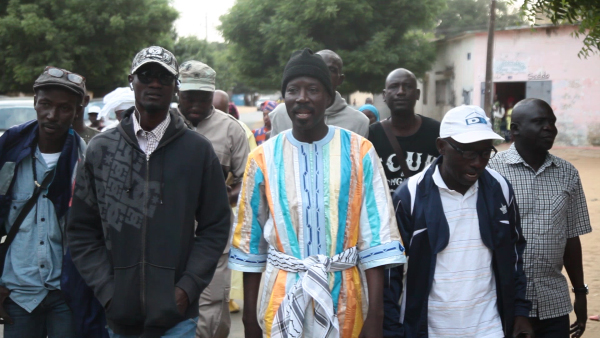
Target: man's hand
[(373, 326), (522, 328), (580, 307), (249, 317), (574, 266), (4, 317), (182, 300), (233, 192)]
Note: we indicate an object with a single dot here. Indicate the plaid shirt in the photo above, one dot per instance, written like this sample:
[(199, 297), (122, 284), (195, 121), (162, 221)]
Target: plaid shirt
[(553, 208), (148, 140)]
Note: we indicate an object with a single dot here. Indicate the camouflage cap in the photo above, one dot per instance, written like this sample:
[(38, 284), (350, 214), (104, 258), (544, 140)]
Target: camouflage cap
[(53, 76), (195, 75), (155, 54)]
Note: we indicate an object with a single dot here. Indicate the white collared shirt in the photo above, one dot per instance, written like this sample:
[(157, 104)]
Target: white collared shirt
[(463, 300), (148, 140)]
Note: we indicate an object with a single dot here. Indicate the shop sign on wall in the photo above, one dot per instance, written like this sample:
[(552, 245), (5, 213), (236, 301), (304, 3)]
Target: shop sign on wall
[(538, 76), (510, 67)]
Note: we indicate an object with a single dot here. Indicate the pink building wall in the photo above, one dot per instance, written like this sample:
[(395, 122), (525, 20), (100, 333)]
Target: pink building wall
[(548, 54)]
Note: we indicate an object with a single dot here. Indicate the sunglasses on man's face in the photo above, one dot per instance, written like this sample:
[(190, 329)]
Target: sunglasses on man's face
[(164, 78), (59, 73)]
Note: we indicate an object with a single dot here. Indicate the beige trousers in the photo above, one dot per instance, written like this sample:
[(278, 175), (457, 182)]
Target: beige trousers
[(214, 320)]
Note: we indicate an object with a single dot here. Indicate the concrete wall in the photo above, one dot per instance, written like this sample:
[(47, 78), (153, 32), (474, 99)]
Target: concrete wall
[(455, 65), (548, 54), (551, 54)]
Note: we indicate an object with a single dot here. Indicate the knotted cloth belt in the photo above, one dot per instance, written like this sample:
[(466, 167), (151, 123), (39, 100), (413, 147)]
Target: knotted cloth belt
[(313, 285)]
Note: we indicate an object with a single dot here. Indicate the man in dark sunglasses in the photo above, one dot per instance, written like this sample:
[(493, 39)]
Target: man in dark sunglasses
[(38, 160), (465, 268), (138, 196)]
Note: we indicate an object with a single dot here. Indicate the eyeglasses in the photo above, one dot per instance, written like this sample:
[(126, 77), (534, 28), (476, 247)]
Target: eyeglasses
[(146, 77), (57, 72), (471, 154)]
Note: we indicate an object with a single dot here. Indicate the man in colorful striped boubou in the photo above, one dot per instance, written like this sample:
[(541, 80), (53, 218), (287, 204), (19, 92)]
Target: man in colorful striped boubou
[(316, 216)]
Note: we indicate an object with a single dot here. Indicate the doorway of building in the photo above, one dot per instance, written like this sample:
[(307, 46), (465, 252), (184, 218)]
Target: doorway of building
[(509, 93)]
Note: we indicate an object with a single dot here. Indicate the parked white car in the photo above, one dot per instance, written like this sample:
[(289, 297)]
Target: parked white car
[(15, 111)]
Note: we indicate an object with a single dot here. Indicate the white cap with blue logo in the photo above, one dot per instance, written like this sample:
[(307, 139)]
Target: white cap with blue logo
[(467, 124)]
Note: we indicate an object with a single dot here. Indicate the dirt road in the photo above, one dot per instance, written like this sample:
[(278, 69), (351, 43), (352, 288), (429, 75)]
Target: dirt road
[(587, 161)]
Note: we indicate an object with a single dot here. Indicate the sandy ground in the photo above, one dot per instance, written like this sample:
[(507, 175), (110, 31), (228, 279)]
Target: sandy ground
[(587, 161)]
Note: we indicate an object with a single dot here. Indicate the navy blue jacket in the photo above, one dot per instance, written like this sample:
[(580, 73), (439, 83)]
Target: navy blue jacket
[(16, 144), (425, 232)]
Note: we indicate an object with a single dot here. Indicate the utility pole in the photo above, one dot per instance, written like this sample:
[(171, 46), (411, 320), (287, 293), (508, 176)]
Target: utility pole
[(489, 83)]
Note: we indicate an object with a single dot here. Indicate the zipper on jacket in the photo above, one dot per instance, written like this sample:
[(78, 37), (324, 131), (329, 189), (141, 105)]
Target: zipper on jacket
[(143, 269)]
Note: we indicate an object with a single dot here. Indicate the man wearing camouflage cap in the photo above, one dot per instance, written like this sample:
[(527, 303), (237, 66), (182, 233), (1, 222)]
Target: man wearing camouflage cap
[(229, 141), (137, 197)]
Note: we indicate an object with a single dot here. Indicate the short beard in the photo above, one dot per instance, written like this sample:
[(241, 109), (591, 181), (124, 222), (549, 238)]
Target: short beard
[(402, 111), (155, 109)]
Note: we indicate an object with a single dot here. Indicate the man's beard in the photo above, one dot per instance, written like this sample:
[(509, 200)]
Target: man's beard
[(155, 108)]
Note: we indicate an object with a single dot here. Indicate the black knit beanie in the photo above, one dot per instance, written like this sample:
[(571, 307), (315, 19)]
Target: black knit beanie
[(306, 63)]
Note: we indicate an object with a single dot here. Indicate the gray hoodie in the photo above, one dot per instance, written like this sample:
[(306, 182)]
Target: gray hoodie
[(339, 115)]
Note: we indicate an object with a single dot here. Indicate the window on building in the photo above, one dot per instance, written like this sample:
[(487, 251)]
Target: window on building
[(440, 92), (466, 97)]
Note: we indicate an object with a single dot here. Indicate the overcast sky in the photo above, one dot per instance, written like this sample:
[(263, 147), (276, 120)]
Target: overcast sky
[(193, 17)]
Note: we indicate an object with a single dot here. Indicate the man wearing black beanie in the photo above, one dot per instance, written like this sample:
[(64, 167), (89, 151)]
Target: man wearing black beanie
[(338, 114), (306, 63), (314, 211)]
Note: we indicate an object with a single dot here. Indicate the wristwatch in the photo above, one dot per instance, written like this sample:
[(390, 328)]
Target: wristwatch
[(583, 290)]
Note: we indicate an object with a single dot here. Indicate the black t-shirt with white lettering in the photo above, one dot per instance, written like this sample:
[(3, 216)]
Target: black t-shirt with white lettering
[(419, 149)]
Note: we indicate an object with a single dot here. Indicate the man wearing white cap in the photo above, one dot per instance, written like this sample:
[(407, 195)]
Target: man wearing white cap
[(465, 273), (95, 120), (84, 131), (231, 145)]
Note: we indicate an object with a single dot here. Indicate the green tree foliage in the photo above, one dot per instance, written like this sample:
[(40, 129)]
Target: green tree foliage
[(470, 15), (97, 39), (190, 48), (372, 36), (214, 54), (585, 13)]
